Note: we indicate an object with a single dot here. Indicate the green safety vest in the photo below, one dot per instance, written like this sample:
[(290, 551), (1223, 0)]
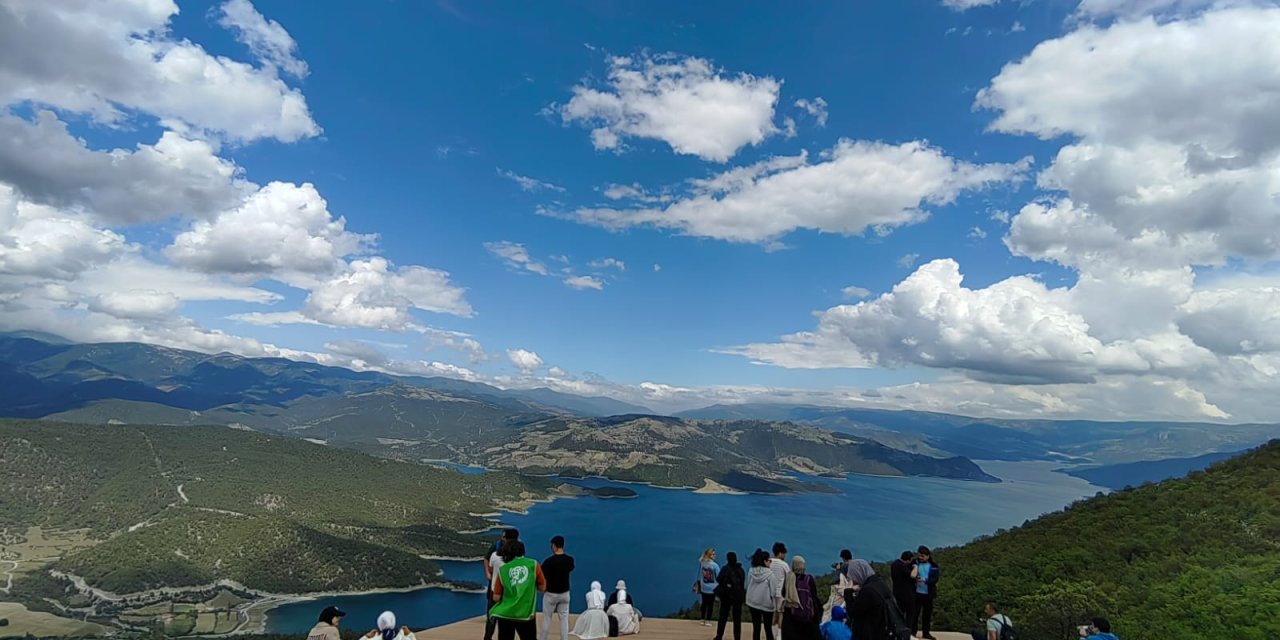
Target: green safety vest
[(519, 590)]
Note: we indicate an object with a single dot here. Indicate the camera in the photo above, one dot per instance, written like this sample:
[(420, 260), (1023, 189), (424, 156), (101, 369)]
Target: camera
[(836, 565), (1085, 630)]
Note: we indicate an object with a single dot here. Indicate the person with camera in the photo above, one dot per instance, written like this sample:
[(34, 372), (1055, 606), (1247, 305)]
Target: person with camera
[(1099, 630), (996, 625)]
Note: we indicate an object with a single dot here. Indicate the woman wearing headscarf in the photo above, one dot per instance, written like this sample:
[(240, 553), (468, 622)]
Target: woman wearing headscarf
[(593, 624), (621, 609), (802, 607), (387, 629), (869, 616)]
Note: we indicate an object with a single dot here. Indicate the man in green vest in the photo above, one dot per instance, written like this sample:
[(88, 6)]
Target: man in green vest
[(515, 594)]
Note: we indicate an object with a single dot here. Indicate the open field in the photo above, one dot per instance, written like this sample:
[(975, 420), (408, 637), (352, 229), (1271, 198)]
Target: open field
[(29, 550), (23, 622)]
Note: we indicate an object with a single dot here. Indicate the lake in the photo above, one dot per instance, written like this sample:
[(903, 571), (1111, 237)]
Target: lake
[(653, 541)]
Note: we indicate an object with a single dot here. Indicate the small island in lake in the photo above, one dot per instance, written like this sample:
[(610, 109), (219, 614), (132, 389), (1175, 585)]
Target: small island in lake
[(613, 493)]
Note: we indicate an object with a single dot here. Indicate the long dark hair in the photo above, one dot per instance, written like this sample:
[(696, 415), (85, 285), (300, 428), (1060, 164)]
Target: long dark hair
[(759, 558)]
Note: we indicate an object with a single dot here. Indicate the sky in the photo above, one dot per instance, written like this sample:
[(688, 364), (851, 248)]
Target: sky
[(1043, 208)]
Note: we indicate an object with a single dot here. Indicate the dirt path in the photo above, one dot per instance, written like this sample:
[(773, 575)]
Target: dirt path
[(13, 566), (182, 494)]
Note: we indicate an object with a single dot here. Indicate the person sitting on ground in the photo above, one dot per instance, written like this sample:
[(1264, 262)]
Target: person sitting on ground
[(620, 594), (387, 629), (836, 629), (800, 614), (515, 592), (621, 609), (731, 587), (705, 584), (870, 609), (995, 622), (762, 594), (593, 624), (1099, 630), (327, 627)]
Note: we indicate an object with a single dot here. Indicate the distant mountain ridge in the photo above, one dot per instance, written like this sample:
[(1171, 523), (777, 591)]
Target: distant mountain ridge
[(1011, 439), (420, 419)]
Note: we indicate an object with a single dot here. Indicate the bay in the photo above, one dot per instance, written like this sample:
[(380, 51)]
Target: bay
[(653, 541)]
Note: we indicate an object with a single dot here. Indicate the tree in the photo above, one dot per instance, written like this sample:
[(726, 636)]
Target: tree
[(1055, 610)]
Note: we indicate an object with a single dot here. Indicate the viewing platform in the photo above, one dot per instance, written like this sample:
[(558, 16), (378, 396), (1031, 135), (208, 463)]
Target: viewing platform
[(650, 629)]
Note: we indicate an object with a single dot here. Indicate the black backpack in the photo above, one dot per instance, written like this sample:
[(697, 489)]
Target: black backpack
[(896, 627), (733, 585), (1007, 632)]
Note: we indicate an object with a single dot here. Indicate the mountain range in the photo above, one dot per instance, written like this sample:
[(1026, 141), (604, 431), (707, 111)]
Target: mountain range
[(419, 419)]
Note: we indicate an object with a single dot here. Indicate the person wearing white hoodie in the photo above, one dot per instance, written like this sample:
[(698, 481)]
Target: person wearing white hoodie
[(762, 595)]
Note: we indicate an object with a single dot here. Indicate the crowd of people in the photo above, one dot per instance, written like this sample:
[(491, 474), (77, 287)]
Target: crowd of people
[(781, 599)]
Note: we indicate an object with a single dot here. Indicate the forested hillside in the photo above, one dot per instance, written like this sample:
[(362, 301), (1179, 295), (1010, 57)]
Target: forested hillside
[(1184, 559), (181, 506)]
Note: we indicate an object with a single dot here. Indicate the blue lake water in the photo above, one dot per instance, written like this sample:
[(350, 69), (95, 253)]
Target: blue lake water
[(653, 541)]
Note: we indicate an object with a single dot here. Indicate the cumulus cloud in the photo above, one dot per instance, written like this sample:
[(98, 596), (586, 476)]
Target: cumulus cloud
[(175, 176), (136, 304), (855, 292), (608, 263), (1131, 9), (908, 260), (855, 186), (282, 228), (1016, 330), (516, 256), (633, 192), (268, 41), (584, 282), (683, 101), (530, 184), (41, 242), (110, 59), (526, 361), (816, 108)]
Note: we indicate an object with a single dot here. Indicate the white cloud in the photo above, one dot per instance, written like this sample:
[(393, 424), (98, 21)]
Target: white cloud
[(281, 229), (109, 58), (608, 263), (530, 184), (965, 5), (657, 268), (526, 361), (816, 108), (1017, 27), (1131, 9), (855, 292), (374, 295), (857, 185), (516, 256), (908, 260), (265, 38), (136, 304), (584, 282), (42, 242), (1234, 321), (1014, 331), (683, 101), (978, 233), (175, 176)]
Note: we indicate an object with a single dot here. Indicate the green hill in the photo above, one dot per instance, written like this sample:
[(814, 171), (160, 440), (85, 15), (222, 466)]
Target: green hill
[(1190, 558), (187, 506)]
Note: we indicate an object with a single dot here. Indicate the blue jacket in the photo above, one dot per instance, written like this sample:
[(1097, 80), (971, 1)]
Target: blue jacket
[(932, 581), (1102, 636), (832, 630)]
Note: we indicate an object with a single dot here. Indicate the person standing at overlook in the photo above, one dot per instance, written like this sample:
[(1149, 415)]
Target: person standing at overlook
[(555, 602), (731, 586), (780, 571), (515, 593), (763, 594), (705, 585), (492, 562), (903, 574), (927, 574)]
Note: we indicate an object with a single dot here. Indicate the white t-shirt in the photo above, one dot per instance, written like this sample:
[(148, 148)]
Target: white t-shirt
[(495, 563), (993, 623), (780, 571)]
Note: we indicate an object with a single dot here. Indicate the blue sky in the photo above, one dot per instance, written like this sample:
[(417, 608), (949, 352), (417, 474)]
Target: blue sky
[(908, 141)]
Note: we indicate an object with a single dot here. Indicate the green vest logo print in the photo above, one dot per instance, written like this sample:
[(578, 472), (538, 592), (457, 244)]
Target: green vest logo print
[(519, 590)]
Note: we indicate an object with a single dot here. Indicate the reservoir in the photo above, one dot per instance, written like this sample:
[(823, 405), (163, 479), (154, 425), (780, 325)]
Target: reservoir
[(653, 541)]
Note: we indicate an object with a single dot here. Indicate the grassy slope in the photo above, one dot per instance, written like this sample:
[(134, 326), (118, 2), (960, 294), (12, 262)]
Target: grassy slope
[(1183, 559), (309, 517)]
